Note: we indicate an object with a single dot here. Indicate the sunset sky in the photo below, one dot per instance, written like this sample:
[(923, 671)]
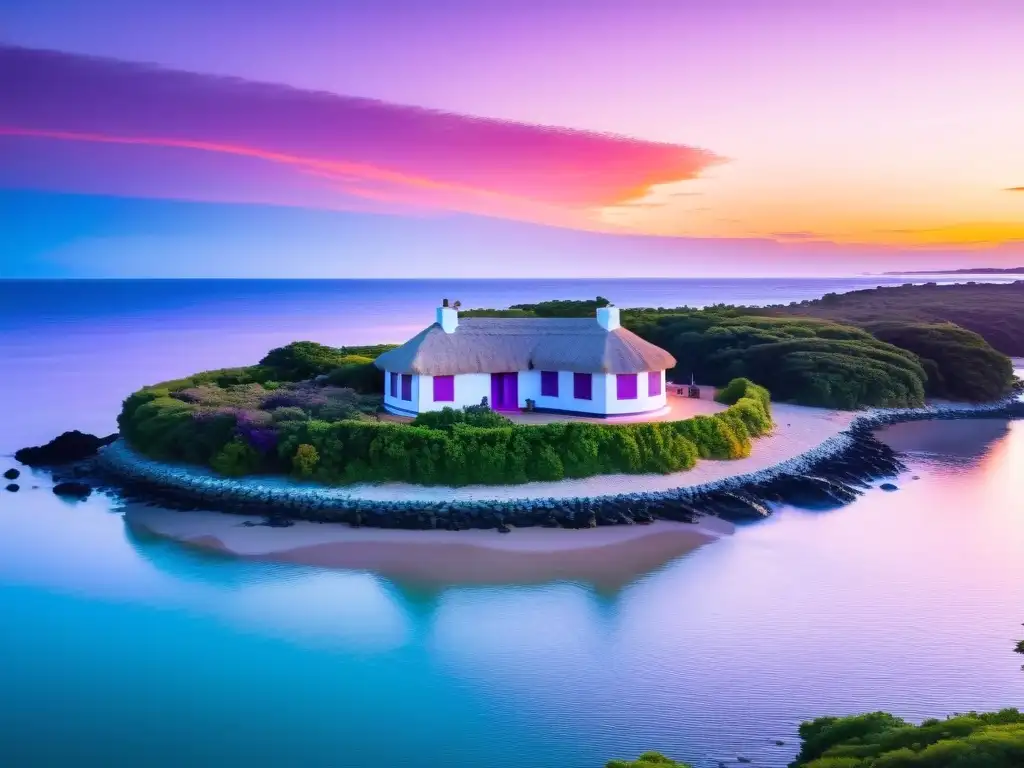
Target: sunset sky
[(509, 138)]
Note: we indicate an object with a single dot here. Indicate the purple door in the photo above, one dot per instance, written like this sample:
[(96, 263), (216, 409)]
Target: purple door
[(505, 391)]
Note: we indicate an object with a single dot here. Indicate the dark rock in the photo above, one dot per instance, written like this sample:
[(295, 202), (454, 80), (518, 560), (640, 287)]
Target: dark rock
[(72, 489), (744, 760), (734, 506), (13, 487), (779, 743), (11, 474), (888, 487), (502, 528), (64, 449)]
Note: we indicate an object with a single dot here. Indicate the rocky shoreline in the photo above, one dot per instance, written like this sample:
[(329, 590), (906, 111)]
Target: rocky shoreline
[(832, 474)]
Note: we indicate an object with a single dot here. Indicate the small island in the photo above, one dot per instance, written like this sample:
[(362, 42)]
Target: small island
[(563, 414), (496, 401)]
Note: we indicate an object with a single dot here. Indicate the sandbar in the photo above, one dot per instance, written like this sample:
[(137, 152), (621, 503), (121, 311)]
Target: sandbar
[(606, 556)]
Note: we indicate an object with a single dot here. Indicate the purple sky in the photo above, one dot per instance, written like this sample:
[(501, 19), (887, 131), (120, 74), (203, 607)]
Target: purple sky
[(848, 136)]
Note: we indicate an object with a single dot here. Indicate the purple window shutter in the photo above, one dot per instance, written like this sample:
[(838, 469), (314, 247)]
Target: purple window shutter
[(444, 389), (394, 385), (549, 383), (406, 386), (582, 386), (653, 383), (625, 386)]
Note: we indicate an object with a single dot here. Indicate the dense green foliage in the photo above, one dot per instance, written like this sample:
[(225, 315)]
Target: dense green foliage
[(813, 360), (232, 422), (471, 415), (880, 740), (647, 760), (344, 366), (810, 362), (305, 460), (995, 312), (959, 363)]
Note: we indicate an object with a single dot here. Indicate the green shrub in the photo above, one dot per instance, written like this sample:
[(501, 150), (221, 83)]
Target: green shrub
[(306, 359), (236, 459), (289, 413), (305, 460), (880, 740), (473, 415), (960, 364), (733, 391), (647, 760), (358, 373)]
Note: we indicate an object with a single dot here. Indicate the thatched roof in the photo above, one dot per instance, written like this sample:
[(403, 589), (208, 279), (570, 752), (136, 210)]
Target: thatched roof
[(497, 344)]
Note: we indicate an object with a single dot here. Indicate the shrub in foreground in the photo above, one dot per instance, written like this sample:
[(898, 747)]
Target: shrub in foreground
[(474, 415), (647, 760), (880, 740), (305, 460)]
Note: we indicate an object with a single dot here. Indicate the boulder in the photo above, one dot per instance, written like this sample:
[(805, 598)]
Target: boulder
[(11, 474), (888, 487), (72, 489), (64, 449), (13, 487)]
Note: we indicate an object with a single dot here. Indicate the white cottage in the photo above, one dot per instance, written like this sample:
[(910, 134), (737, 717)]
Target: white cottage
[(586, 366)]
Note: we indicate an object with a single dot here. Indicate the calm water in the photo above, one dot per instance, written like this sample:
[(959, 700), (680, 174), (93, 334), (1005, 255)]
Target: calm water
[(120, 651)]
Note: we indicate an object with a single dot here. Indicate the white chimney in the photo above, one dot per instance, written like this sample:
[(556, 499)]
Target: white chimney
[(608, 318), (447, 317)]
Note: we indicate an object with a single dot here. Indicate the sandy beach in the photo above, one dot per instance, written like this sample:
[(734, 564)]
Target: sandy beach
[(608, 556)]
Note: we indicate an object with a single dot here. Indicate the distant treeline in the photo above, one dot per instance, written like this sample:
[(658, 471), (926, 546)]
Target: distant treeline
[(975, 271), (993, 311)]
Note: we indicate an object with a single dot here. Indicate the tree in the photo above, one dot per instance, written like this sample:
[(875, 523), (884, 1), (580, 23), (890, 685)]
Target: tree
[(305, 460)]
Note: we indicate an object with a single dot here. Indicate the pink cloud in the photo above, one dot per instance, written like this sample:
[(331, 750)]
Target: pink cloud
[(369, 149)]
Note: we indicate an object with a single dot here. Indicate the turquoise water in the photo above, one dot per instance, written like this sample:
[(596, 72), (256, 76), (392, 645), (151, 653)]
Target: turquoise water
[(119, 650)]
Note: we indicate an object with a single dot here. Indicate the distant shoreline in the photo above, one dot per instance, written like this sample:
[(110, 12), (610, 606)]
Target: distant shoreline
[(976, 271)]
